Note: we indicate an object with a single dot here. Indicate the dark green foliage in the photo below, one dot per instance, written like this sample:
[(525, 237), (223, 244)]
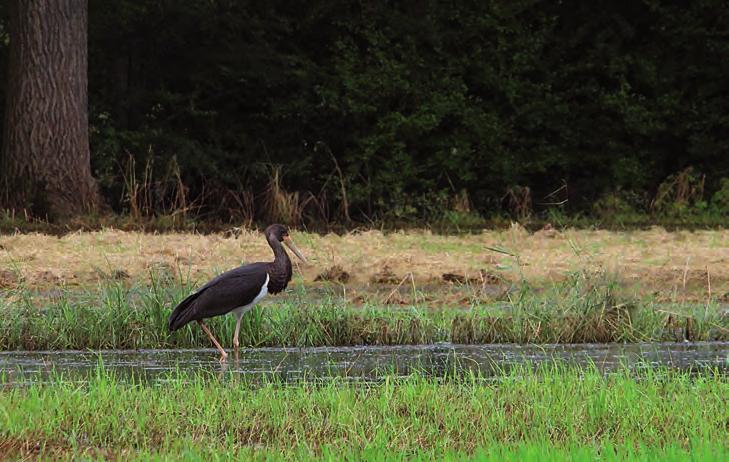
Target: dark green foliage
[(391, 110)]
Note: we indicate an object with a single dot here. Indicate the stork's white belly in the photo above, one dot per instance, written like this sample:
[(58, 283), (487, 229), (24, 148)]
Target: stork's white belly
[(264, 291)]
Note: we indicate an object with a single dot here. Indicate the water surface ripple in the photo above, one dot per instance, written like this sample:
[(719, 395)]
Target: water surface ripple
[(364, 362)]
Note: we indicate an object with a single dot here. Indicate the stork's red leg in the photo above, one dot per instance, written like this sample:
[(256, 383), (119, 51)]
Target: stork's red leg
[(223, 354)]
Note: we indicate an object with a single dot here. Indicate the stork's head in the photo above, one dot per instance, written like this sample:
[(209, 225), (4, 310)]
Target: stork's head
[(276, 232), (280, 233)]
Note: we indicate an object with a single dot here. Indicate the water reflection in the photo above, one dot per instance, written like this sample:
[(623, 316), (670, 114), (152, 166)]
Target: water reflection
[(366, 362)]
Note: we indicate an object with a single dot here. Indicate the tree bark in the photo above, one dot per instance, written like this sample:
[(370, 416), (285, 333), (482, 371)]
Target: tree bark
[(46, 165)]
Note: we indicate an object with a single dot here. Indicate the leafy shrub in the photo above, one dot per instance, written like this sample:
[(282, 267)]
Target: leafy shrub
[(720, 199)]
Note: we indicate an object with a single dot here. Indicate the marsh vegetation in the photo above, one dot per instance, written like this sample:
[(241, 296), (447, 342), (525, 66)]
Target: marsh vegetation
[(114, 290), (561, 410), (579, 310)]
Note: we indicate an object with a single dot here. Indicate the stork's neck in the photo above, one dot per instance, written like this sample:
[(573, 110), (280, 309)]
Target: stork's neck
[(279, 271)]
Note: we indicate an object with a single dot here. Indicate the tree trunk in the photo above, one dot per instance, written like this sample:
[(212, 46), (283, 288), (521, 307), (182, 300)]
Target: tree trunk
[(45, 165)]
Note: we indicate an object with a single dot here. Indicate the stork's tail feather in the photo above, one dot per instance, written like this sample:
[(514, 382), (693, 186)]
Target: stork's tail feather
[(183, 313)]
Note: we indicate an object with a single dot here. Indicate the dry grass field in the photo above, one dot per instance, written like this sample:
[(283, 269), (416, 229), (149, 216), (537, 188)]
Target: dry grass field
[(680, 265)]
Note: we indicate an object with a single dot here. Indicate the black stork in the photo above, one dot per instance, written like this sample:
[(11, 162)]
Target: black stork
[(239, 289)]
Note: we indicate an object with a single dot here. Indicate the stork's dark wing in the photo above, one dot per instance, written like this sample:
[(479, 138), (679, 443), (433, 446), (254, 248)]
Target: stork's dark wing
[(232, 289)]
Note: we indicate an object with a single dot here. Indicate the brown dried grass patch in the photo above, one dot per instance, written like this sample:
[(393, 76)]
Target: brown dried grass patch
[(655, 259)]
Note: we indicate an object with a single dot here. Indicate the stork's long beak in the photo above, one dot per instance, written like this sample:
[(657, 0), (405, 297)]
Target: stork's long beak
[(290, 244)]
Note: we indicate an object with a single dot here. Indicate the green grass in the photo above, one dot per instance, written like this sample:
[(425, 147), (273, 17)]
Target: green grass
[(115, 315), (544, 414), (543, 452)]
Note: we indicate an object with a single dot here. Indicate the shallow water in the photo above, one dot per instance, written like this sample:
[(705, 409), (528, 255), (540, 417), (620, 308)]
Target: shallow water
[(364, 363)]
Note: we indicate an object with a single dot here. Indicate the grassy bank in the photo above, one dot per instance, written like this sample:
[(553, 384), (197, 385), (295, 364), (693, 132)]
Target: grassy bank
[(526, 414), (113, 289), (585, 308), (520, 452)]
